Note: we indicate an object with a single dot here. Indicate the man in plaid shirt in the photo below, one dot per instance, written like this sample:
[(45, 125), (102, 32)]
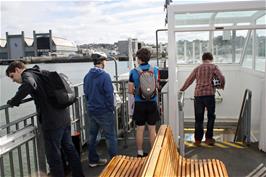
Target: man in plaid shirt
[(204, 96)]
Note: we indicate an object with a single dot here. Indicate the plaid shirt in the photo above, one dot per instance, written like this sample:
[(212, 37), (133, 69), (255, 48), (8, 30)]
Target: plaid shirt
[(204, 74)]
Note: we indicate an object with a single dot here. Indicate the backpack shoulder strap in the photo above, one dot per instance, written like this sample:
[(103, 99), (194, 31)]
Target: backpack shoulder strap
[(138, 69), (151, 69)]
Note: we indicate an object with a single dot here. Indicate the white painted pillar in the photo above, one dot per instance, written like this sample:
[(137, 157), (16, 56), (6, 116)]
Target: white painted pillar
[(200, 50), (172, 79), (193, 52), (262, 140), (185, 51)]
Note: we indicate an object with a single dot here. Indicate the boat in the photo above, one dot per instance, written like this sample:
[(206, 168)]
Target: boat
[(235, 32)]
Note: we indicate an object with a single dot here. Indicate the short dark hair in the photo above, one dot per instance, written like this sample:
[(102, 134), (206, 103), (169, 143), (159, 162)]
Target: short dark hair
[(97, 58), (207, 56), (144, 55), (12, 67)]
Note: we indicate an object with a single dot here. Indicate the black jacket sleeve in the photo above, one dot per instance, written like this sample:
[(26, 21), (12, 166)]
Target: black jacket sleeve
[(22, 92)]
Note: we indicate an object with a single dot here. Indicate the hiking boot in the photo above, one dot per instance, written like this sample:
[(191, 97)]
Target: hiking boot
[(210, 141), (197, 142), (99, 163), (144, 155)]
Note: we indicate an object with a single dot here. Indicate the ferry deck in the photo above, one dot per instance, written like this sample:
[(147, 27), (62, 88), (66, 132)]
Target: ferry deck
[(235, 32)]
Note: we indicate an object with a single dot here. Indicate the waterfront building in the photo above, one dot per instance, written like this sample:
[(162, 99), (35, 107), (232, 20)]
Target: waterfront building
[(42, 44), (123, 46)]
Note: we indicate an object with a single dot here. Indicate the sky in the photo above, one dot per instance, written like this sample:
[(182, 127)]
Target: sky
[(91, 21)]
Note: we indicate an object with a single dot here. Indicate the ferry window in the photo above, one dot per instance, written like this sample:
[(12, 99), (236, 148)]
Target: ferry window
[(261, 50), (261, 20), (192, 19), (247, 62), (190, 46), (240, 17), (228, 45)]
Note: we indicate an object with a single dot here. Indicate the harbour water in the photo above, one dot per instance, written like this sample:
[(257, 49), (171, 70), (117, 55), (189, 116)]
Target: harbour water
[(75, 72)]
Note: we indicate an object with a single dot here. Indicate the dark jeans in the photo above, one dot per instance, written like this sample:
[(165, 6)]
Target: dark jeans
[(54, 140), (200, 103), (106, 122)]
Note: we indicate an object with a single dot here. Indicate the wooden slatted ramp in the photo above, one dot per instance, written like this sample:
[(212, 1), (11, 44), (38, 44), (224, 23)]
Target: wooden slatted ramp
[(164, 160)]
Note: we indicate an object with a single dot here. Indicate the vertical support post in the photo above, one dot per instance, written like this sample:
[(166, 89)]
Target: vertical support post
[(7, 120), (40, 149), (124, 114), (77, 110), (233, 46), (172, 81), (157, 45), (2, 171), (35, 43)]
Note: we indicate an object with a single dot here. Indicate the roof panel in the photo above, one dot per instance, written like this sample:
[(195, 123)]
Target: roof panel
[(63, 42), (2, 42)]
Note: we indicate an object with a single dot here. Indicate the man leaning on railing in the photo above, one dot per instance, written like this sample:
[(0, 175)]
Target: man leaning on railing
[(55, 122)]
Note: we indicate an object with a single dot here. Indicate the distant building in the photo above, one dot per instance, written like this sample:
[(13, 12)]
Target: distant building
[(19, 46), (123, 47)]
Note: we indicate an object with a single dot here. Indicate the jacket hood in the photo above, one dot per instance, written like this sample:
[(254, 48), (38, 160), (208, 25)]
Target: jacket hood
[(95, 72)]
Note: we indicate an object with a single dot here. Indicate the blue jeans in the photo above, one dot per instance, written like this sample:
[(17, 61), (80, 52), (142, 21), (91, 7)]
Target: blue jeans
[(53, 141), (106, 122), (200, 103)]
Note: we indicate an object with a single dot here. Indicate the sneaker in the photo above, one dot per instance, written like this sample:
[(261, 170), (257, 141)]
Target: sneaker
[(197, 142), (99, 163), (144, 155), (210, 142)]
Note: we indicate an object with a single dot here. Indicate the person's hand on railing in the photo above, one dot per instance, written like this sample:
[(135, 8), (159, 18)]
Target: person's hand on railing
[(9, 103)]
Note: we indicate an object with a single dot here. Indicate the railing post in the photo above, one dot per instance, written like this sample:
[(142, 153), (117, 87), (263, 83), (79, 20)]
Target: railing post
[(2, 172), (181, 122), (124, 120), (7, 120), (40, 149), (77, 110)]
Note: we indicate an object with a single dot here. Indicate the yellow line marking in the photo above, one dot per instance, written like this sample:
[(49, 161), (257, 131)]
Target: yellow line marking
[(218, 144), (189, 144), (233, 145)]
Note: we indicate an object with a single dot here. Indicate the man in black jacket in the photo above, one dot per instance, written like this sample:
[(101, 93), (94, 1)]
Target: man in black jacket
[(55, 122)]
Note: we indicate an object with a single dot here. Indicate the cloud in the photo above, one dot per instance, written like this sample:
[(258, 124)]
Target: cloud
[(94, 21)]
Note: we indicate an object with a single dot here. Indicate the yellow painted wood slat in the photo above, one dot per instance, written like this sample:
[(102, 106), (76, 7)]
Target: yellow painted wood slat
[(219, 168), (117, 167), (201, 168), (109, 168), (224, 169), (138, 169), (188, 168), (210, 167), (155, 151), (130, 166), (183, 166), (215, 169), (205, 165), (197, 168), (192, 167), (127, 167)]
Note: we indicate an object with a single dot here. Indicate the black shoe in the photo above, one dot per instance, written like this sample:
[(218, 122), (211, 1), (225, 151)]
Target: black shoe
[(144, 155)]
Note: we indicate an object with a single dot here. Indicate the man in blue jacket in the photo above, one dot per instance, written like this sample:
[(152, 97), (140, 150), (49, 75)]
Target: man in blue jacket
[(99, 93)]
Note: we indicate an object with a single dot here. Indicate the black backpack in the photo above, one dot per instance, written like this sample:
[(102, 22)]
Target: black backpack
[(58, 89)]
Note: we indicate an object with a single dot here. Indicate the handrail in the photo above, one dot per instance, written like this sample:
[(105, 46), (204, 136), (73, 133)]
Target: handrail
[(8, 106), (181, 100), (244, 121)]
